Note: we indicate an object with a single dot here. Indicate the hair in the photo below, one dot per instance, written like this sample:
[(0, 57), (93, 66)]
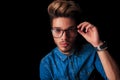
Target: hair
[(64, 8)]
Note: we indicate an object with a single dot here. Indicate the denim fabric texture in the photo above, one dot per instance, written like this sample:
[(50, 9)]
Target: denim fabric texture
[(78, 66)]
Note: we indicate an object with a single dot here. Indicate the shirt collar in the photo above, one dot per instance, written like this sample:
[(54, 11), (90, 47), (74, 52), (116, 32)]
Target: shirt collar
[(62, 56)]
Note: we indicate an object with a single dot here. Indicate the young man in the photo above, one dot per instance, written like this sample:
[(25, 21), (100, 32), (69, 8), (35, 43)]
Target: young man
[(66, 61)]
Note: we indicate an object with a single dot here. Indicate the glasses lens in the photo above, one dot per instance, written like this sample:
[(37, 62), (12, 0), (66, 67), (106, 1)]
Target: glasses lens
[(72, 30), (57, 32)]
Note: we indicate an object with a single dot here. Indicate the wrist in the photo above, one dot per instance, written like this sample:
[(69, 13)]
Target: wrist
[(102, 46)]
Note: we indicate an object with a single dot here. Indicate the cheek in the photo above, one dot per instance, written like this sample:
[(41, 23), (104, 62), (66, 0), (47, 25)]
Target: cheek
[(73, 37), (56, 40)]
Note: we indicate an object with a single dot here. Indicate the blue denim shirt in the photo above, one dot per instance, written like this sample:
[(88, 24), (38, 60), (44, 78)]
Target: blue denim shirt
[(78, 66)]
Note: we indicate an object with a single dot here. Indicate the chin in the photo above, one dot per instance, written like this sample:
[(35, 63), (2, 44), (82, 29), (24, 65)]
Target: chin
[(65, 49)]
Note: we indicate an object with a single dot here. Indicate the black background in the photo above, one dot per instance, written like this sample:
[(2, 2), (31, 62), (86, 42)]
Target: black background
[(32, 38)]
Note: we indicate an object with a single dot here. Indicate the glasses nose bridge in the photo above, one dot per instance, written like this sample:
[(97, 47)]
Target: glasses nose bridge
[(66, 32)]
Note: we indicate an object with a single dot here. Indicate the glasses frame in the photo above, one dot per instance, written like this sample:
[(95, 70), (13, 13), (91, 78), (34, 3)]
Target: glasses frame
[(66, 30)]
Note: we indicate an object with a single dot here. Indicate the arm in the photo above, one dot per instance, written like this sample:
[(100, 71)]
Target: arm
[(109, 65), (92, 36)]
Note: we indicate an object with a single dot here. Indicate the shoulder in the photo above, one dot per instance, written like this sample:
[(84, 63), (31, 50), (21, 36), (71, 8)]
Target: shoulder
[(49, 57), (88, 47)]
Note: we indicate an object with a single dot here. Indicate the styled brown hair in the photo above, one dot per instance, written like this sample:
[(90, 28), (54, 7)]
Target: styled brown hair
[(64, 8)]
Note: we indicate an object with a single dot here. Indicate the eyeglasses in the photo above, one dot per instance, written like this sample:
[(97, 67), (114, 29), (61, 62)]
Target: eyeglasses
[(57, 32)]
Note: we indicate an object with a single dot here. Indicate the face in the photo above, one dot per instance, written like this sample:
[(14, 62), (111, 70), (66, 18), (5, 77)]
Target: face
[(64, 33)]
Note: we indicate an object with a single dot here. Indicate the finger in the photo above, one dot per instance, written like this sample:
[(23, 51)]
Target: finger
[(83, 26), (81, 32), (88, 27)]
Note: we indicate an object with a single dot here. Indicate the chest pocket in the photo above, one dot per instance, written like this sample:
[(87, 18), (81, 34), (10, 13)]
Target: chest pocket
[(86, 72)]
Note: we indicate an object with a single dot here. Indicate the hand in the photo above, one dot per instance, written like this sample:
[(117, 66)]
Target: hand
[(90, 33)]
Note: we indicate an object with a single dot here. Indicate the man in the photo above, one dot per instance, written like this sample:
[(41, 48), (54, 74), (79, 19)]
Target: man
[(66, 61)]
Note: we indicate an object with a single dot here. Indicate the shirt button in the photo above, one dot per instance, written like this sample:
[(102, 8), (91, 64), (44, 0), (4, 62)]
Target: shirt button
[(88, 73)]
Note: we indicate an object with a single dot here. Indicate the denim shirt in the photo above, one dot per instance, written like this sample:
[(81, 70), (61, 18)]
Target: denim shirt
[(78, 66)]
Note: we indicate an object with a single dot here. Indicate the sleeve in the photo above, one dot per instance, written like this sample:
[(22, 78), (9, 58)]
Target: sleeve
[(44, 71), (99, 67)]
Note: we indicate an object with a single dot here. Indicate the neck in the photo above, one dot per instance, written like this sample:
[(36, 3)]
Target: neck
[(68, 53)]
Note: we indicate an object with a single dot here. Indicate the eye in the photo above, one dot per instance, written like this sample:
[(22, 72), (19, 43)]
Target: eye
[(72, 29), (57, 30)]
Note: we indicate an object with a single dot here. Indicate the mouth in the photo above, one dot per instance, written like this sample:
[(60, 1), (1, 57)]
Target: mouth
[(64, 44)]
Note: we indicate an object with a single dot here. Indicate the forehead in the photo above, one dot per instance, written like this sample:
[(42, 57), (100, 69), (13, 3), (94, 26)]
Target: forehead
[(63, 22)]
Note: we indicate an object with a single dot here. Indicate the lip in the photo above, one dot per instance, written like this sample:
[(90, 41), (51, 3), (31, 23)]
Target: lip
[(64, 44)]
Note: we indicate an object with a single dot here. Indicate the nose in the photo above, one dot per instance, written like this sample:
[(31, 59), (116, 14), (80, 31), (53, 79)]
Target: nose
[(65, 35)]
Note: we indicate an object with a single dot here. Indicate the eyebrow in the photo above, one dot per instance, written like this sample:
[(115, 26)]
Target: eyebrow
[(60, 27)]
